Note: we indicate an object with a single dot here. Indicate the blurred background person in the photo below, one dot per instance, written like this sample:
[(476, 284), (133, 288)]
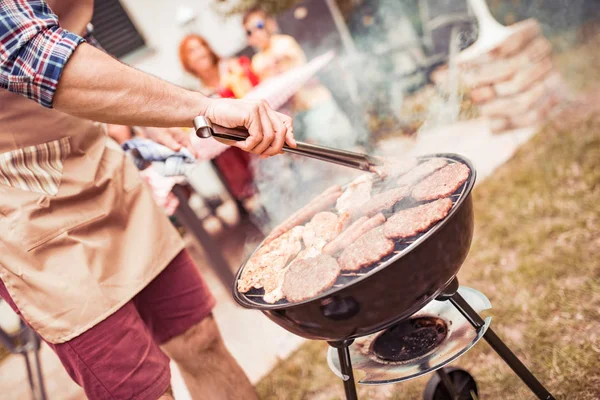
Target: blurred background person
[(286, 183), (223, 78), (317, 117)]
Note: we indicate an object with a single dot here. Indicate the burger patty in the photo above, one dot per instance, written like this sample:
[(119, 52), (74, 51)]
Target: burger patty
[(273, 284), (421, 171), (409, 222), (321, 229), (307, 278), (368, 249), (264, 264), (383, 201), (442, 183)]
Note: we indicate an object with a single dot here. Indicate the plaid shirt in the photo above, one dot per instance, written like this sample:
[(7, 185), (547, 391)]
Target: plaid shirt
[(33, 49)]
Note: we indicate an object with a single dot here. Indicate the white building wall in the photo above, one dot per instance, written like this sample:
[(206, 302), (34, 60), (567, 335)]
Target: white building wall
[(157, 22)]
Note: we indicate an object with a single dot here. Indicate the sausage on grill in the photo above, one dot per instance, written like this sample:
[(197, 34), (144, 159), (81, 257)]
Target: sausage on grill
[(354, 231), (321, 203)]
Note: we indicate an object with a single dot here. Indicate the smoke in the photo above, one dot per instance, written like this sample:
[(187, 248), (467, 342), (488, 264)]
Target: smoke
[(390, 64)]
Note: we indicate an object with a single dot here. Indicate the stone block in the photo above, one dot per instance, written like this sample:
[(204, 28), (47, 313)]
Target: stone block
[(489, 74), (523, 33), (538, 114), (482, 94), (513, 105), (537, 50), (499, 124), (524, 79)]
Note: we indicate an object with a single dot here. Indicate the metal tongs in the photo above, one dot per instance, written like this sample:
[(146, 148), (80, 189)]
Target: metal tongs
[(205, 129)]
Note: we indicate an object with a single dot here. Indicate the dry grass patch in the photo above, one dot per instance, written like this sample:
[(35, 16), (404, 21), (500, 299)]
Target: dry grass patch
[(536, 255)]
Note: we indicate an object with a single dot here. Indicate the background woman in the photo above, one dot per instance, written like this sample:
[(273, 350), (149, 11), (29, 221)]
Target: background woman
[(198, 59)]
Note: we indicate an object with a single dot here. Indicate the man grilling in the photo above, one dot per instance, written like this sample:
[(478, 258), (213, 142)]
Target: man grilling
[(86, 257)]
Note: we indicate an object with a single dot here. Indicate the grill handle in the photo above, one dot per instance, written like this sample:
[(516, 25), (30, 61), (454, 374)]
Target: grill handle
[(206, 129)]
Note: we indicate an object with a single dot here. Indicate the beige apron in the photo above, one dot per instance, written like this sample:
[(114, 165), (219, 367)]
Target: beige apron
[(80, 235)]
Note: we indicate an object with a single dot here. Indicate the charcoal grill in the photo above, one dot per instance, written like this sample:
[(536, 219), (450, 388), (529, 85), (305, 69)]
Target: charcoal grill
[(381, 299)]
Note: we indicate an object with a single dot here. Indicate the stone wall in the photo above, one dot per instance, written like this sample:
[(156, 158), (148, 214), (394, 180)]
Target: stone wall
[(514, 83)]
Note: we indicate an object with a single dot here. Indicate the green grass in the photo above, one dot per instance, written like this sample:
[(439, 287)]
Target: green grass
[(536, 255)]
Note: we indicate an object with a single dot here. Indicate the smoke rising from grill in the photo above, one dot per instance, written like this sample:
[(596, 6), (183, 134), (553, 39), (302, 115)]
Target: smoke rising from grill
[(382, 82)]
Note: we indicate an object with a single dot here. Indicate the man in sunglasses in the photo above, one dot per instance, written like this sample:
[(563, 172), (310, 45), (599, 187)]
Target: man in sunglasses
[(313, 106)]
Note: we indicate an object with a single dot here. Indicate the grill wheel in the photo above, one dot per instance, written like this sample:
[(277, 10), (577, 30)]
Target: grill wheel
[(463, 384)]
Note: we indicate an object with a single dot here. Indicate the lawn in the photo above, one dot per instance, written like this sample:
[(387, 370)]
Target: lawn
[(536, 255)]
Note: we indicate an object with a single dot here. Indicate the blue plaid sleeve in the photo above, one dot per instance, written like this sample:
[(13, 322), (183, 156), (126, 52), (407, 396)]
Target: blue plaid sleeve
[(33, 49)]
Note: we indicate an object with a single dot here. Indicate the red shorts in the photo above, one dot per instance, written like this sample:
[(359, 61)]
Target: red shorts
[(120, 357)]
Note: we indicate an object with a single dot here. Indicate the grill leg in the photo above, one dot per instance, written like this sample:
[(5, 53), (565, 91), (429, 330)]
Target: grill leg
[(346, 367), (447, 383), (502, 349)]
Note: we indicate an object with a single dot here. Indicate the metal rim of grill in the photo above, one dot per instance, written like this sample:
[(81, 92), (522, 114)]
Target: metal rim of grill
[(402, 248)]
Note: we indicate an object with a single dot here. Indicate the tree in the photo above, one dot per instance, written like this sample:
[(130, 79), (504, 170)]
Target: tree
[(228, 8)]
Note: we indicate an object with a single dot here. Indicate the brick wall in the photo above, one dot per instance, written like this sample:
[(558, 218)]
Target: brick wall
[(514, 83)]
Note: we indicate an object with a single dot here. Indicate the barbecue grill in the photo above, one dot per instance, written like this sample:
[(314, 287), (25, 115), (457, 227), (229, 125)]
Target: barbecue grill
[(403, 316)]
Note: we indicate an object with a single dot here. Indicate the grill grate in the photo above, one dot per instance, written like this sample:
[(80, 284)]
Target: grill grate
[(255, 296)]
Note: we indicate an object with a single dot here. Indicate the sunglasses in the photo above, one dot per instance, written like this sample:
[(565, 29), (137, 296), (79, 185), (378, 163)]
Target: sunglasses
[(260, 25)]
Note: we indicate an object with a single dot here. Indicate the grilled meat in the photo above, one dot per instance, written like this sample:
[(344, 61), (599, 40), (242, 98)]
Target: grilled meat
[(322, 228), (421, 171), (393, 167), (356, 194), (409, 222), (442, 183), (263, 266), (318, 204), (383, 201), (368, 249), (354, 231), (307, 278)]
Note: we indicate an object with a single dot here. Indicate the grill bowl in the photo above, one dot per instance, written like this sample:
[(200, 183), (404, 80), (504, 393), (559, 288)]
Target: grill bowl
[(390, 292)]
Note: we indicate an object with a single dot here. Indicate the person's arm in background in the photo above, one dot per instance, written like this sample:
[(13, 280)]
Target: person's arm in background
[(42, 61), (288, 53)]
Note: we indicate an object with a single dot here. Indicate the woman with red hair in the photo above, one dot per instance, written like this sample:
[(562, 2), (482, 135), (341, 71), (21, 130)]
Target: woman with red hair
[(231, 78)]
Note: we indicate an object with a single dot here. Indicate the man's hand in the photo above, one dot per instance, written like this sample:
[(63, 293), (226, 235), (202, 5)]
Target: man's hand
[(268, 129)]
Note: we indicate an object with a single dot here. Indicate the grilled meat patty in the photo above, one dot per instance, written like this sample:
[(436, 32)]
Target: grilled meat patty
[(368, 249), (274, 285), (263, 266), (307, 278), (383, 201), (421, 171), (409, 222), (321, 229), (442, 183)]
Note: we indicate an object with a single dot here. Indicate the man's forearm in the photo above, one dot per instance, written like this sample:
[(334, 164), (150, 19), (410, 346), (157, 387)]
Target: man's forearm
[(95, 86)]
